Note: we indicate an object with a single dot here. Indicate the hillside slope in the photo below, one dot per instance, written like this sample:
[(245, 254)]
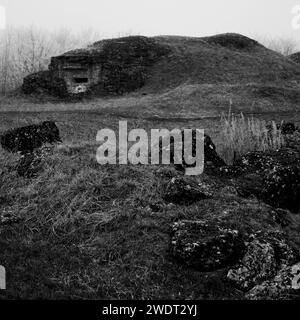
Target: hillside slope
[(188, 76), (225, 58)]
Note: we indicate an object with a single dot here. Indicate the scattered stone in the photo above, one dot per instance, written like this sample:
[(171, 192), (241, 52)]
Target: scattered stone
[(26, 139), (272, 176), (285, 284), (179, 191), (282, 187), (265, 254), (155, 207), (205, 247), (257, 265), (282, 217), (261, 162), (229, 191), (255, 161), (230, 171), (166, 173), (284, 254), (211, 158), (31, 141), (210, 153)]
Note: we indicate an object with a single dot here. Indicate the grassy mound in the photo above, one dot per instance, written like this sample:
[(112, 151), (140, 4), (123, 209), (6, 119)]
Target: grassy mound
[(232, 41), (165, 62), (227, 58)]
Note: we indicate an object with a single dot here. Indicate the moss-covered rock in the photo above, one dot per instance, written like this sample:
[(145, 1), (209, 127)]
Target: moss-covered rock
[(181, 191), (285, 285), (265, 253), (282, 187), (205, 247)]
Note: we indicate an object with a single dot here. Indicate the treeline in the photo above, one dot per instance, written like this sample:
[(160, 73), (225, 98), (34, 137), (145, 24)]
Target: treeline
[(27, 50), (284, 45)]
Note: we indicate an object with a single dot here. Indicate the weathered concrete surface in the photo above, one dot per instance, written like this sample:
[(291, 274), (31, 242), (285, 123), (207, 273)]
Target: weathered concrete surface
[(107, 67)]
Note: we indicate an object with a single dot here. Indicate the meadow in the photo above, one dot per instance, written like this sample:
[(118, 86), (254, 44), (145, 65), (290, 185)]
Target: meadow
[(80, 230), (84, 230)]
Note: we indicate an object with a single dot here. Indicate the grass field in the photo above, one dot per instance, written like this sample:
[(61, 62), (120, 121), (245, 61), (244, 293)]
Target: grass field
[(86, 230)]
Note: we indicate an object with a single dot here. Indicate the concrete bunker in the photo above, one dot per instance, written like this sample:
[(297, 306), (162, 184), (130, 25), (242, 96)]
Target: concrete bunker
[(77, 70), (110, 67)]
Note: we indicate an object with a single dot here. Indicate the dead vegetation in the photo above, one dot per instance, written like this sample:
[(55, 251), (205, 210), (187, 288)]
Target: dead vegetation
[(80, 230), (242, 134), (121, 65), (24, 51)]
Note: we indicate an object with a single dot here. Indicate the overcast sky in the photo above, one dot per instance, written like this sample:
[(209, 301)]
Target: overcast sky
[(155, 17)]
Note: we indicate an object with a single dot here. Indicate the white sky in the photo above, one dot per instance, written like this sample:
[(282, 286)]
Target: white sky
[(154, 17)]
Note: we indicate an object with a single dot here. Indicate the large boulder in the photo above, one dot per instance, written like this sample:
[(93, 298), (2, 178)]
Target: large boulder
[(256, 161), (258, 264), (265, 254), (285, 285), (259, 162), (204, 246), (282, 187), (26, 139), (272, 176), (211, 157), (210, 153)]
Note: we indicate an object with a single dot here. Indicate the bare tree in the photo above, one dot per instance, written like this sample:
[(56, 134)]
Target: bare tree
[(28, 50), (285, 46)]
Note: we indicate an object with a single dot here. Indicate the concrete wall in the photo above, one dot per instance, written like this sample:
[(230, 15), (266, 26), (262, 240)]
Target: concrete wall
[(78, 75)]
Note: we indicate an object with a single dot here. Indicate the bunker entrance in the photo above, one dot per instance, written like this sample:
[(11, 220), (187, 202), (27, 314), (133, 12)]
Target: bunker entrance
[(81, 80)]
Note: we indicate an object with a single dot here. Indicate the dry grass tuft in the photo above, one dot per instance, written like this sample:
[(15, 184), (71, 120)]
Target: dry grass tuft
[(240, 135)]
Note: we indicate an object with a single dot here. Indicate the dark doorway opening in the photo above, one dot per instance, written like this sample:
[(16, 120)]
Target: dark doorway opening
[(81, 80)]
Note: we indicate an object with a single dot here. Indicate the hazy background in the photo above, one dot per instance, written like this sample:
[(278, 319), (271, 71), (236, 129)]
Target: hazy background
[(36, 30), (155, 17)]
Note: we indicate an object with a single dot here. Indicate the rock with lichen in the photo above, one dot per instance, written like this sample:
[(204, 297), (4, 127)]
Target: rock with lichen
[(282, 187), (273, 177), (205, 247), (180, 191), (265, 254), (212, 159), (285, 285), (257, 265)]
